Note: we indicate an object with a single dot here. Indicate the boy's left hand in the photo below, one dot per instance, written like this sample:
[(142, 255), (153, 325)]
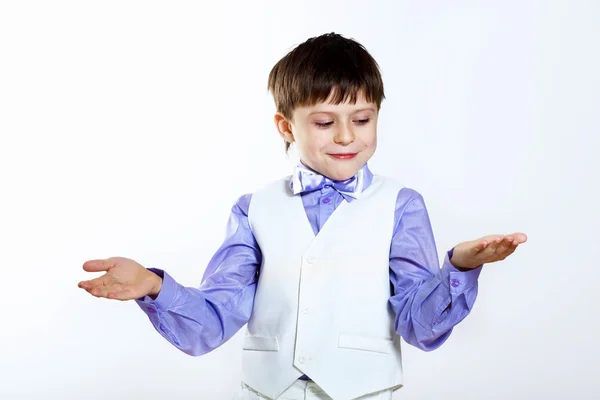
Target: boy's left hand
[(488, 249)]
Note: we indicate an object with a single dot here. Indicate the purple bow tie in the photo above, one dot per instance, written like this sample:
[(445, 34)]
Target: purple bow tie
[(305, 180)]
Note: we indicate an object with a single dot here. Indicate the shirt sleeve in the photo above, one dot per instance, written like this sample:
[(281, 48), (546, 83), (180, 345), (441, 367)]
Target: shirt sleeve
[(428, 301), (198, 320)]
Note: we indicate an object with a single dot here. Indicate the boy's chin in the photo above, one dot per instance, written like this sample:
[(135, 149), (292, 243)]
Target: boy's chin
[(342, 175), (338, 170)]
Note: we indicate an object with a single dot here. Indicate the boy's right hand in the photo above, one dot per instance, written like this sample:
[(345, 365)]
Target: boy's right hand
[(124, 279)]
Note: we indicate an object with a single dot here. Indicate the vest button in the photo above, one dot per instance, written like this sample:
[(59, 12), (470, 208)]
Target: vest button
[(311, 260)]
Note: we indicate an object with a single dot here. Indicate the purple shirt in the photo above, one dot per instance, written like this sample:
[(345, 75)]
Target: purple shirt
[(428, 301)]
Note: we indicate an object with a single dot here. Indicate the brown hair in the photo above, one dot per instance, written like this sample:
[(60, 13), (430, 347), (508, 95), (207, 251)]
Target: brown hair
[(310, 72)]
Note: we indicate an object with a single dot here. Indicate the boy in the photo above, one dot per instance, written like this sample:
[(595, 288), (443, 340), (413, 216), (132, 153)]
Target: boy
[(325, 295)]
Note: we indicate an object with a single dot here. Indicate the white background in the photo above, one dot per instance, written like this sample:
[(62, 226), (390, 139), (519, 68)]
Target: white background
[(131, 127)]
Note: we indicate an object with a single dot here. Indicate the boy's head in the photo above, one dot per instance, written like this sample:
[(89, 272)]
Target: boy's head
[(328, 92)]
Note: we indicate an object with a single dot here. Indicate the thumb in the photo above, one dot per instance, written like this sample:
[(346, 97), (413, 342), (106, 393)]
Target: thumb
[(98, 265)]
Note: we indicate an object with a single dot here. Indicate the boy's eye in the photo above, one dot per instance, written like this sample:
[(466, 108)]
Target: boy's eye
[(329, 123)]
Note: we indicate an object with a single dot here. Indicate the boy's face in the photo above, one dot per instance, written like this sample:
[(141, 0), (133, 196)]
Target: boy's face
[(334, 140)]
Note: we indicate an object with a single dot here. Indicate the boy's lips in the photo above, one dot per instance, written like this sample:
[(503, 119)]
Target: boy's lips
[(343, 156)]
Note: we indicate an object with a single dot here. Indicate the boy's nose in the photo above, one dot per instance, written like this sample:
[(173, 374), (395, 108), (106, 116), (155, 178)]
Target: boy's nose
[(344, 136)]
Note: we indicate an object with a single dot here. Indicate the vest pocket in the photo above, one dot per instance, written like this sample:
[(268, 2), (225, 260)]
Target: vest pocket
[(377, 345), (260, 343)]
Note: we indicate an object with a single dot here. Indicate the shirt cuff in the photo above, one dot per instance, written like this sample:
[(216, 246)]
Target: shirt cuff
[(459, 281), (166, 296)]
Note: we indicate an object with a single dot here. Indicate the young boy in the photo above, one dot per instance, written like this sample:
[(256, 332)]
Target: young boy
[(325, 294)]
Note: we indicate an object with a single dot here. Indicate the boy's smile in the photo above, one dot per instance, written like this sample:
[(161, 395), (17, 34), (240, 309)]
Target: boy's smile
[(344, 156), (335, 140)]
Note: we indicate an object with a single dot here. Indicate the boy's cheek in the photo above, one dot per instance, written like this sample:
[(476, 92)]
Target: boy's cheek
[(370, 143)]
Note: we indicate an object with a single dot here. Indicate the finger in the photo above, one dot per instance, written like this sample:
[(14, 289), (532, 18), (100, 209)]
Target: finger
[(88, 284), (100, 287), (95, 291), (490, 238), (84, 284), (98, 265), (479, 247), (520, 238), (513, 247), (495, 242), (490, 252), (104, 290), (505, 244), (503, 255), (103, 280), (509, 251)]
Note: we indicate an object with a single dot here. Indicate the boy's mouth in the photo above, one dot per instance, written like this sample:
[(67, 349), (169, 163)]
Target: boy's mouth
[(343, 156)]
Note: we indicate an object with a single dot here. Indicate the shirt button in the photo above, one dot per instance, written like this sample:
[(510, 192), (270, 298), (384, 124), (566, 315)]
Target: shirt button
[(312, 390), (151, 310), (311, 260), (306, 310), (303, 360), (326, 200), (454, 282)]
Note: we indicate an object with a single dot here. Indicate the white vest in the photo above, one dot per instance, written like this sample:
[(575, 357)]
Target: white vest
[(322, 303)]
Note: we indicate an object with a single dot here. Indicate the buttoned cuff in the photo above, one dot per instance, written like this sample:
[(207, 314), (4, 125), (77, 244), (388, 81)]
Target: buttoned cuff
[(459, 281), (165, 297)]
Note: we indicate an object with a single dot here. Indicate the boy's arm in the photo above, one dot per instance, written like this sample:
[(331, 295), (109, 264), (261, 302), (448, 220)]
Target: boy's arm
[(198, 320), (428, 301)]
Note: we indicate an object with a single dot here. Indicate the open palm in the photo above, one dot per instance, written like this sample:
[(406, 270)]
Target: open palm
[(485, 250), (124, 279)]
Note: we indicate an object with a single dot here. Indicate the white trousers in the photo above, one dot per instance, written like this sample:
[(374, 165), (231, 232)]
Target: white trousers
[(304, 390)]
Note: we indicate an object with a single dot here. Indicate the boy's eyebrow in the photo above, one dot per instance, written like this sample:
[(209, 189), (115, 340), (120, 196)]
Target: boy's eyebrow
[(353, 111)]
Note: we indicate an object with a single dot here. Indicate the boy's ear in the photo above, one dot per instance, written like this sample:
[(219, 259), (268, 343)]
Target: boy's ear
[(284, 127)]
